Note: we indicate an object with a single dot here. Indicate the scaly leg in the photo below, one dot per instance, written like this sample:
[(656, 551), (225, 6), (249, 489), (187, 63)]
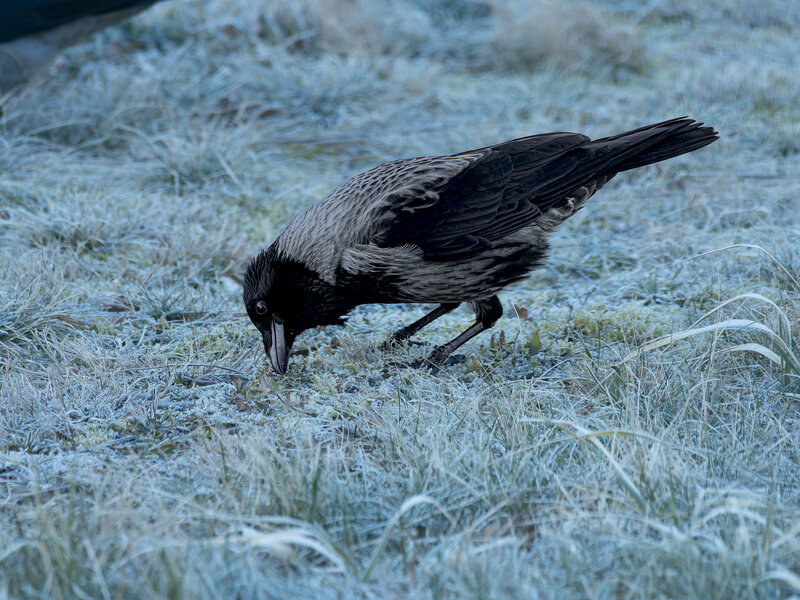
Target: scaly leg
[(409, 330), (486, 314)]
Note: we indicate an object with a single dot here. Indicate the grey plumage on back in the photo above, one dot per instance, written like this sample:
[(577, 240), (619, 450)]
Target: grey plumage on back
[(359, 209), (441, 229)]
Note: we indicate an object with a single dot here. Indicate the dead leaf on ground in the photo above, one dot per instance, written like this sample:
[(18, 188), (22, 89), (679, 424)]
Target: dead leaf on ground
[(76, 323), (522, 312)]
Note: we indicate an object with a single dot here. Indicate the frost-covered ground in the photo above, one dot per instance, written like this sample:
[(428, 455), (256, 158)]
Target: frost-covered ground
[(147, 451)]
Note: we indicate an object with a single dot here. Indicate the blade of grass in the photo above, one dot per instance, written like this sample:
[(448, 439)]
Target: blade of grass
[(407, 506), (731, 324), (280, 543), (585, 435), (732, 247)]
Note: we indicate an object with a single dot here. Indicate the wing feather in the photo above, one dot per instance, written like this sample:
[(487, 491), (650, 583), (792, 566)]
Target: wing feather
[(501, 189), (488, 199)]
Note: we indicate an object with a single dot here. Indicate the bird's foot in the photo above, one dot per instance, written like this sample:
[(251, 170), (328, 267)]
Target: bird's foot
[(436, 360), (439, 355), (426, 365), (433, 362), (394, 341)]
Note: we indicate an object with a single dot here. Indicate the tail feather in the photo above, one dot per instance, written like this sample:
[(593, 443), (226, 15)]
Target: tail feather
[(659, 142), (605, 157)]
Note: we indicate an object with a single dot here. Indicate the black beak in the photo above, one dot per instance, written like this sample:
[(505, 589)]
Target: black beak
[(275, 345)]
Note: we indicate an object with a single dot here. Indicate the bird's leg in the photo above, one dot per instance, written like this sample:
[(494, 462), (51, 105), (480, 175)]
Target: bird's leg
[(486, 314), (406, 332)]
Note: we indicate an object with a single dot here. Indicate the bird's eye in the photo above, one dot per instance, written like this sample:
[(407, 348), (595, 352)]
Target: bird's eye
[(261, 307)]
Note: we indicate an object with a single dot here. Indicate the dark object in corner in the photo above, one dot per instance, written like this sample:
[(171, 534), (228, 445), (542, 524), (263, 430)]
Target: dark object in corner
[(34, 32), (440, 229)]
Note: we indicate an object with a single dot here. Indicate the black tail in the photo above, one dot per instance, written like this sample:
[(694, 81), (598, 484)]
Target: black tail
[(605, 157), (654, 143)]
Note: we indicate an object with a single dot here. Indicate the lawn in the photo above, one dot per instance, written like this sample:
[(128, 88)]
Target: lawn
[(627, 430)]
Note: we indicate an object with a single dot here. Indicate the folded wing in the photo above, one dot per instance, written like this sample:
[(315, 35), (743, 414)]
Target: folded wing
[(506, 187)]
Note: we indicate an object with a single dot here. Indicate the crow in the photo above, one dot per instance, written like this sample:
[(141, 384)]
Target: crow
[(34, 32), (439, 229)]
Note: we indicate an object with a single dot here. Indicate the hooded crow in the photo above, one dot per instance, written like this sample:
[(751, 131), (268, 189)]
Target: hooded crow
[(439, 229)]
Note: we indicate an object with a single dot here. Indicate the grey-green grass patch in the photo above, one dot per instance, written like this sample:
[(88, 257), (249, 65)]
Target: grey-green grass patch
[(147, 451)]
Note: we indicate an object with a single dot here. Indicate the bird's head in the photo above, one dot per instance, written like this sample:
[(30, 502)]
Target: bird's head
[(270, 309), (284, 297)]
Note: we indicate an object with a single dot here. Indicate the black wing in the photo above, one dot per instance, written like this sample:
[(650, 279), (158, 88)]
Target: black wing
[(509, 185), (26, 17)]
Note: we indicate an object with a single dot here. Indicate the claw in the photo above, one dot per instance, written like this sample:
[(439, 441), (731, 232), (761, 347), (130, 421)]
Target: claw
[(393, 341)]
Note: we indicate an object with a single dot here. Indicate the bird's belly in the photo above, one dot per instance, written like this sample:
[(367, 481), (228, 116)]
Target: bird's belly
[(507, 261)]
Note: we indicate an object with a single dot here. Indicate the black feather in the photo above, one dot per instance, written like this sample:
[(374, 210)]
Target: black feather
[(443, 229), (513, 183)]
